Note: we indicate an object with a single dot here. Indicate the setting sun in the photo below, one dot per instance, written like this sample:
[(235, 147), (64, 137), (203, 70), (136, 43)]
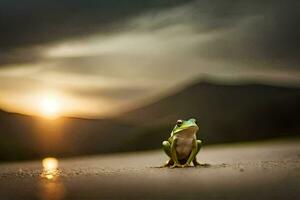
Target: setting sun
[(50, 106)]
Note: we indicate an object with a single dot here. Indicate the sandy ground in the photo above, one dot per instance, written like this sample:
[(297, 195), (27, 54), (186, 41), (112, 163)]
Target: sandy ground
[(261, 170)]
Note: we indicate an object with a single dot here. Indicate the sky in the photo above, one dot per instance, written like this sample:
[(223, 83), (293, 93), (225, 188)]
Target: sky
[(98, 58)]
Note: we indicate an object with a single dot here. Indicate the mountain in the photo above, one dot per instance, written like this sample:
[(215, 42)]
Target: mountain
[(27, 137), (225, 113)]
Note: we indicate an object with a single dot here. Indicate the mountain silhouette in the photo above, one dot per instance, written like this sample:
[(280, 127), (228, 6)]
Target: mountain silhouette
[(225, 113)]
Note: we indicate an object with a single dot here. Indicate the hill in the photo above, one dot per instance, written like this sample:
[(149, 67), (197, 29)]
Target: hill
[(225, 113)]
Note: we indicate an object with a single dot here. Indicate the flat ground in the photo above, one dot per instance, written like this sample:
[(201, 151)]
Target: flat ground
[(260, 170)]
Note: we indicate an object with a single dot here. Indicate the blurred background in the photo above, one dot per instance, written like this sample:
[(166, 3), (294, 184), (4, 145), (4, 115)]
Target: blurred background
[(89, 77)]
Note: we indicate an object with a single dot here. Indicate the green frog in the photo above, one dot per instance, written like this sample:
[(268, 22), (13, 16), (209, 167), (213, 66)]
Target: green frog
[(182, 146)]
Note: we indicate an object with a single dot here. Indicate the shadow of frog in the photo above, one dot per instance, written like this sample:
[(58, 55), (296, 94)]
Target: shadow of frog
[(201, 165)]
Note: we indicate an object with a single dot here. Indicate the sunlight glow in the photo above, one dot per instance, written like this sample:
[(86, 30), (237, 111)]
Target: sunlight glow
[(50, 106)]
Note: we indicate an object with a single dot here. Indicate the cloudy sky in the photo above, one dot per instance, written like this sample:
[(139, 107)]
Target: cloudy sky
[(100, 57)]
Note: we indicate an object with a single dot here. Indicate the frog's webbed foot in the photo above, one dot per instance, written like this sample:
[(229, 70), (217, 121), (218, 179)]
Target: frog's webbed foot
[(176, 166), (186, 165)]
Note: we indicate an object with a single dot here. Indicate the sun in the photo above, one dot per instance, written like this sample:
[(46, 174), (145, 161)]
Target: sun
[(50, 106)]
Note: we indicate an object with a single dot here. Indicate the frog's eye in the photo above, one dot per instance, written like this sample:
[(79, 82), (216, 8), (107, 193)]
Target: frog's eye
[(179, 122)]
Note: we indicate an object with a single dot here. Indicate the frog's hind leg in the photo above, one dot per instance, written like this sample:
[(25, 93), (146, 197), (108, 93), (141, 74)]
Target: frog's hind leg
[(167, 149), (199, 145)]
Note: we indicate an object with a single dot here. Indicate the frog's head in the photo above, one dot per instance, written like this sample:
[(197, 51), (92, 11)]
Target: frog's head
[(188, 127)]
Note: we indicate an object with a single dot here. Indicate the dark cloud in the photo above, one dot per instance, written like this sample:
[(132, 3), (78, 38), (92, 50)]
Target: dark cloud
[(242, 31), (27, 23), (257, 31), (31, 22)]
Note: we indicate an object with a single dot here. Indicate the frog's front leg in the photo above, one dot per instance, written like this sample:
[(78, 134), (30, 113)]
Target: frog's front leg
[(174, 154), (167, 149), (193, 155), (199, 145)]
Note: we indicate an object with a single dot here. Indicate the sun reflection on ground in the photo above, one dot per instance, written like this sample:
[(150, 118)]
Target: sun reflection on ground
[(50, 168), (51, 188), (50, 163)]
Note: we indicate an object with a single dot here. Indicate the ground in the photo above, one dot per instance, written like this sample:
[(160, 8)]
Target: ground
[(258, 170)]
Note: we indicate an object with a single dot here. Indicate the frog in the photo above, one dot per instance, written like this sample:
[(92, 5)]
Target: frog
[(182, 146)]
